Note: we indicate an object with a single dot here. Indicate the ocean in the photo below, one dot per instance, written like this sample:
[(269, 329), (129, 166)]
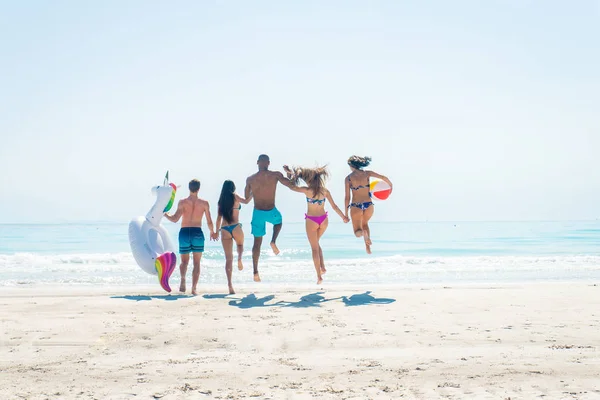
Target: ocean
[(403, 253)]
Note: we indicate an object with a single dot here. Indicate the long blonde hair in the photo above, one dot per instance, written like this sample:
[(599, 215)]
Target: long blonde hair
[(314, 177)]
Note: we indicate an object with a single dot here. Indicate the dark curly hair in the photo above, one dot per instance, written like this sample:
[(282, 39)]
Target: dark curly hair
[(359, 162)]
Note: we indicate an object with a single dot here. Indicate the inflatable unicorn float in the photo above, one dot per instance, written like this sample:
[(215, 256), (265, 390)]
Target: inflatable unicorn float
[(150, 243)]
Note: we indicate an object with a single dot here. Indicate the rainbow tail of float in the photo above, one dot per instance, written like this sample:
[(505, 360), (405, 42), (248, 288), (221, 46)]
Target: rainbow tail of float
[(150, 242), (165, 265)]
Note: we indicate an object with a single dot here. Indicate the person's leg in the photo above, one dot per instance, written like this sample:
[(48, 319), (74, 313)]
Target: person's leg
[(259, 229), (196, 273), (368, 213), (197, 242), (356, 215), (276, 230), (227, 243), (185, 248), (313, 239), (238, 237), (277, 221), (256, 256), (320, 233), (185, 259)]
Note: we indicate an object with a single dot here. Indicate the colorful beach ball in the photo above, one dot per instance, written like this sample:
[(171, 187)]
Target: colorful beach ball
[(380, 190)]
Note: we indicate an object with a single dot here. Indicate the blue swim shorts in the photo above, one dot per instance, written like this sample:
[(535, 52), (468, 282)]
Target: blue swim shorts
[(260, 219), (191, 240)]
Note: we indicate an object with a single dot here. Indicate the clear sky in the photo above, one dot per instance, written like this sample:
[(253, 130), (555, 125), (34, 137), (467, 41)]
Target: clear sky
[(477, 110)]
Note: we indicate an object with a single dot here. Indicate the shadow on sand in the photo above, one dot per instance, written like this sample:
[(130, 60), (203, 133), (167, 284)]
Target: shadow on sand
[(307, 301), (310, 300), (364, 299), (251, 301), (216, 296), (166, 297)]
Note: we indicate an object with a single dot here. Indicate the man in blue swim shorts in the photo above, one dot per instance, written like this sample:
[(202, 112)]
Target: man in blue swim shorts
[(191, 237), (262, 187)]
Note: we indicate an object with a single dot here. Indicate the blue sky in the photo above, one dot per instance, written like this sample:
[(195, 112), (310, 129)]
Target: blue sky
[(476, 110)]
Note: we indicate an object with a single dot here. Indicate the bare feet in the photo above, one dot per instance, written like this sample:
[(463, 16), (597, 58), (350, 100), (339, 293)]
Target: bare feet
[(275, 249), (231, 291), (240, 265), (319, 280), (358, 233), (368, 243), (323, 270), (256, 277), (182, 286), (194, 292)]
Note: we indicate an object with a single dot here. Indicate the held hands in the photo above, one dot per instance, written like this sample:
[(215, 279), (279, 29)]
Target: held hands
[(343, 217), (288, 171), (214, 236)]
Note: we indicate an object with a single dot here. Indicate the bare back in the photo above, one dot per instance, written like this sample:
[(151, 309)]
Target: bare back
[(359, 184), (316, 205), (193, 210), (235, 212), (263, 186)]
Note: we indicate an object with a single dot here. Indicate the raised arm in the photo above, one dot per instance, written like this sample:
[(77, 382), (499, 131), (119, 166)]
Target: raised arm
[(347, 196), (242, 200), (335, 207), (287, 182), (175, 217), (382, 177)]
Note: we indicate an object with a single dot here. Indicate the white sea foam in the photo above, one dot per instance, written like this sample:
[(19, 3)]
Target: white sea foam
[(120, 268)]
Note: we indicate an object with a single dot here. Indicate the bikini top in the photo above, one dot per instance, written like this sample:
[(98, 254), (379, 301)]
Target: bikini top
[(315, 201), (357, 187)]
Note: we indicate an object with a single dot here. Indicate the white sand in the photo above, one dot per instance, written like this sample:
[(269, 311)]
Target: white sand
[(518, 342)]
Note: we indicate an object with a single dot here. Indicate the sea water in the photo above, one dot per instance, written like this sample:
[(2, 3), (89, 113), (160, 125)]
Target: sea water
[(403, 253)]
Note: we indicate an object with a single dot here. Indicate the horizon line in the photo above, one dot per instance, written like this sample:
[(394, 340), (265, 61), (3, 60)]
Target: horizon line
[(106, 222)]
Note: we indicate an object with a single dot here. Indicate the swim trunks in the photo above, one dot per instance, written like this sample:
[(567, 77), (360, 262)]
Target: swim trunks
[(191, 240), (260, 219)]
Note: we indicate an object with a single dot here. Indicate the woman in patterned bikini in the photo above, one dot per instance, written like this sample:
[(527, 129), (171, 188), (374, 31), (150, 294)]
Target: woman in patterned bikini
[(316, 217), (230, 228), (358, 191)]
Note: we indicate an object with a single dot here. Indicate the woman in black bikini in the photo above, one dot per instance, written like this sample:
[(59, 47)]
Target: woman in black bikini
[(316, 216), (230, 228), (357, 189)]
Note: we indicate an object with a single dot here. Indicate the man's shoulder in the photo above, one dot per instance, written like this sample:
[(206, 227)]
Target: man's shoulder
[(275, 174), (264, 174)]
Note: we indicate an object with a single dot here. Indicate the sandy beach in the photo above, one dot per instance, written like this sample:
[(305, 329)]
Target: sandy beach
[(497, 342)]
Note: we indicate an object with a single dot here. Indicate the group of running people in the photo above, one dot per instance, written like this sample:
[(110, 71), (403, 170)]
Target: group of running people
[(261, 188)]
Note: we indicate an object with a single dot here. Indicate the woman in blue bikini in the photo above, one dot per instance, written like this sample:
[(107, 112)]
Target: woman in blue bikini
[(316, 216), (358, 191), (230, 228)]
